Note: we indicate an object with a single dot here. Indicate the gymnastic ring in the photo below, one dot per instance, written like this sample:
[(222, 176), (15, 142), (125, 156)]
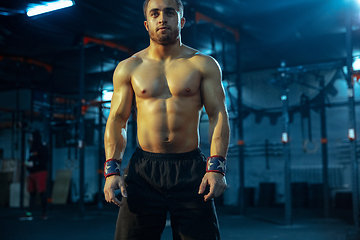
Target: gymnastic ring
[(306, 149)]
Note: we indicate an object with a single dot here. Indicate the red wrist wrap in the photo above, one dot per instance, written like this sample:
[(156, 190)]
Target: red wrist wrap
[(217, 164), (112, 167)]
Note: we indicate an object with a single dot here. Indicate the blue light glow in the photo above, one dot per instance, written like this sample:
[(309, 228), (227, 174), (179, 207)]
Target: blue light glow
[(356, 64), (36, 9), (107, 95)]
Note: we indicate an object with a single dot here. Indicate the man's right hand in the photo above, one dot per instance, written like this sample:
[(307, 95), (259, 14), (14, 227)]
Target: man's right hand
[(113, 183)]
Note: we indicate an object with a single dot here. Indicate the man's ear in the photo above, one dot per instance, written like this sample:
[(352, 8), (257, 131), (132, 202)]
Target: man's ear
[(146, 26), (182, 21)]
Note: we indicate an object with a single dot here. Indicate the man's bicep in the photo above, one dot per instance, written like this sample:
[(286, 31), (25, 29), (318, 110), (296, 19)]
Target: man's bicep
[(212, 89), (121, 101)]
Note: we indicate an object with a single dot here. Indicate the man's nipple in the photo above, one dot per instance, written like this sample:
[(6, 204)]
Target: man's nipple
[(188, 90), (143, 91)]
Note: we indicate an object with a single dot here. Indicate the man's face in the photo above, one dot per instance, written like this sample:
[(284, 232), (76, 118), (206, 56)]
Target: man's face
[(163, 21)]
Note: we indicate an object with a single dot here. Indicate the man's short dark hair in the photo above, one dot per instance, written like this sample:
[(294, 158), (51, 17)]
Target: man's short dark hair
[(178, 2)]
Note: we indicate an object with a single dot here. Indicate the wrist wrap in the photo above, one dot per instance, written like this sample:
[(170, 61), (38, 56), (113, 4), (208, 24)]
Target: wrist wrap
[(112, 167), (217, 164)]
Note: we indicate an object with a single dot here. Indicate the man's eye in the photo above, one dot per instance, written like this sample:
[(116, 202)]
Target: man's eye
[(154, 14)]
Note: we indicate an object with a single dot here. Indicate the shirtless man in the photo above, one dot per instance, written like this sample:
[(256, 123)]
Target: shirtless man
[(167, 173)]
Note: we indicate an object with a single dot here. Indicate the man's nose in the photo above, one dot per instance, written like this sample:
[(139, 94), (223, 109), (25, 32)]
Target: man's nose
[(162, 18)]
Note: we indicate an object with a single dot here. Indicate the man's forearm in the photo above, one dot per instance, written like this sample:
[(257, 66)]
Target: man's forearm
[(115, 139), (219, 134)]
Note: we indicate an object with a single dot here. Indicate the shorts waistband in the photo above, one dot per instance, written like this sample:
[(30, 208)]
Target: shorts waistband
[(169, 156)]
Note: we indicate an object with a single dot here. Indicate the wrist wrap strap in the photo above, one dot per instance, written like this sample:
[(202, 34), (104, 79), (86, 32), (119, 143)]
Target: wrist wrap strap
[(112, 167), (216, 163)]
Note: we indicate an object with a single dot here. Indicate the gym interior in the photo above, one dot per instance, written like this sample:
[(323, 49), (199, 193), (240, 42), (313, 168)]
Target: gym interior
[(291, 75)]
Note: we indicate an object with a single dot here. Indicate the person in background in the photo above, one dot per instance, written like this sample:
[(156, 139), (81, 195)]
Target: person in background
[(38, 172)]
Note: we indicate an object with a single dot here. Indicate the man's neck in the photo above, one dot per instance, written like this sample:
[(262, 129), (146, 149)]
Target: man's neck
[(167, 52)]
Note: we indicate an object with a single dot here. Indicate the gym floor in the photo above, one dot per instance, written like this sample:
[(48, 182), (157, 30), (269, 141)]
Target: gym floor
[(65, 222)]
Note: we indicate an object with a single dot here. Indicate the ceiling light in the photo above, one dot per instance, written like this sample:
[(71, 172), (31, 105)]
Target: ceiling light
[(36, 9)]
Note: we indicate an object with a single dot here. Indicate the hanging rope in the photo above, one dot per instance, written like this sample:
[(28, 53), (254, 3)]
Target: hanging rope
[(306, 115)]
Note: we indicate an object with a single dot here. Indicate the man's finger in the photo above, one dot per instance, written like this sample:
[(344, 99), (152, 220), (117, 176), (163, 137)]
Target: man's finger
[(202, 186), (122, 187), (123, 191), (106, 196), (117, 202), (111, 196), (113, 199), (210, 195)]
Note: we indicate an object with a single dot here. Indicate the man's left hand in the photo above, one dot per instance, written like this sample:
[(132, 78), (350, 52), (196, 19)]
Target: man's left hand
[(217, 184)]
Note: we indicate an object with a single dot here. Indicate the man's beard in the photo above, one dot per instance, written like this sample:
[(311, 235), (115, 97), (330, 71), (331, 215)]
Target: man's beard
[(165, 39)]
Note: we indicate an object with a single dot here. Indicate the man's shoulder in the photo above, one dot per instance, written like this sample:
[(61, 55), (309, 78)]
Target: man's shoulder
[(201, 60), (126, 66), (131, 61), (198, 56), (189, 52)]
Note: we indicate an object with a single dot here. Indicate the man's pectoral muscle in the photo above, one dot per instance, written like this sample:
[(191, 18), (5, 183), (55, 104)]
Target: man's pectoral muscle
[(168, 110)]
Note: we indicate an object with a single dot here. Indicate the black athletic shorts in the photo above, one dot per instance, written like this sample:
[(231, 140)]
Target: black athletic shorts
[(158, 184)]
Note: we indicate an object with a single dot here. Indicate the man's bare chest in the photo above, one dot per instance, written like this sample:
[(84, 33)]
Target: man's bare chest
[(158, 80)]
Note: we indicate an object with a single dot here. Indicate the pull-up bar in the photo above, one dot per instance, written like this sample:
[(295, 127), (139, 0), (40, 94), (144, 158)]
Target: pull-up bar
[(29, 61), (87, 40)]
